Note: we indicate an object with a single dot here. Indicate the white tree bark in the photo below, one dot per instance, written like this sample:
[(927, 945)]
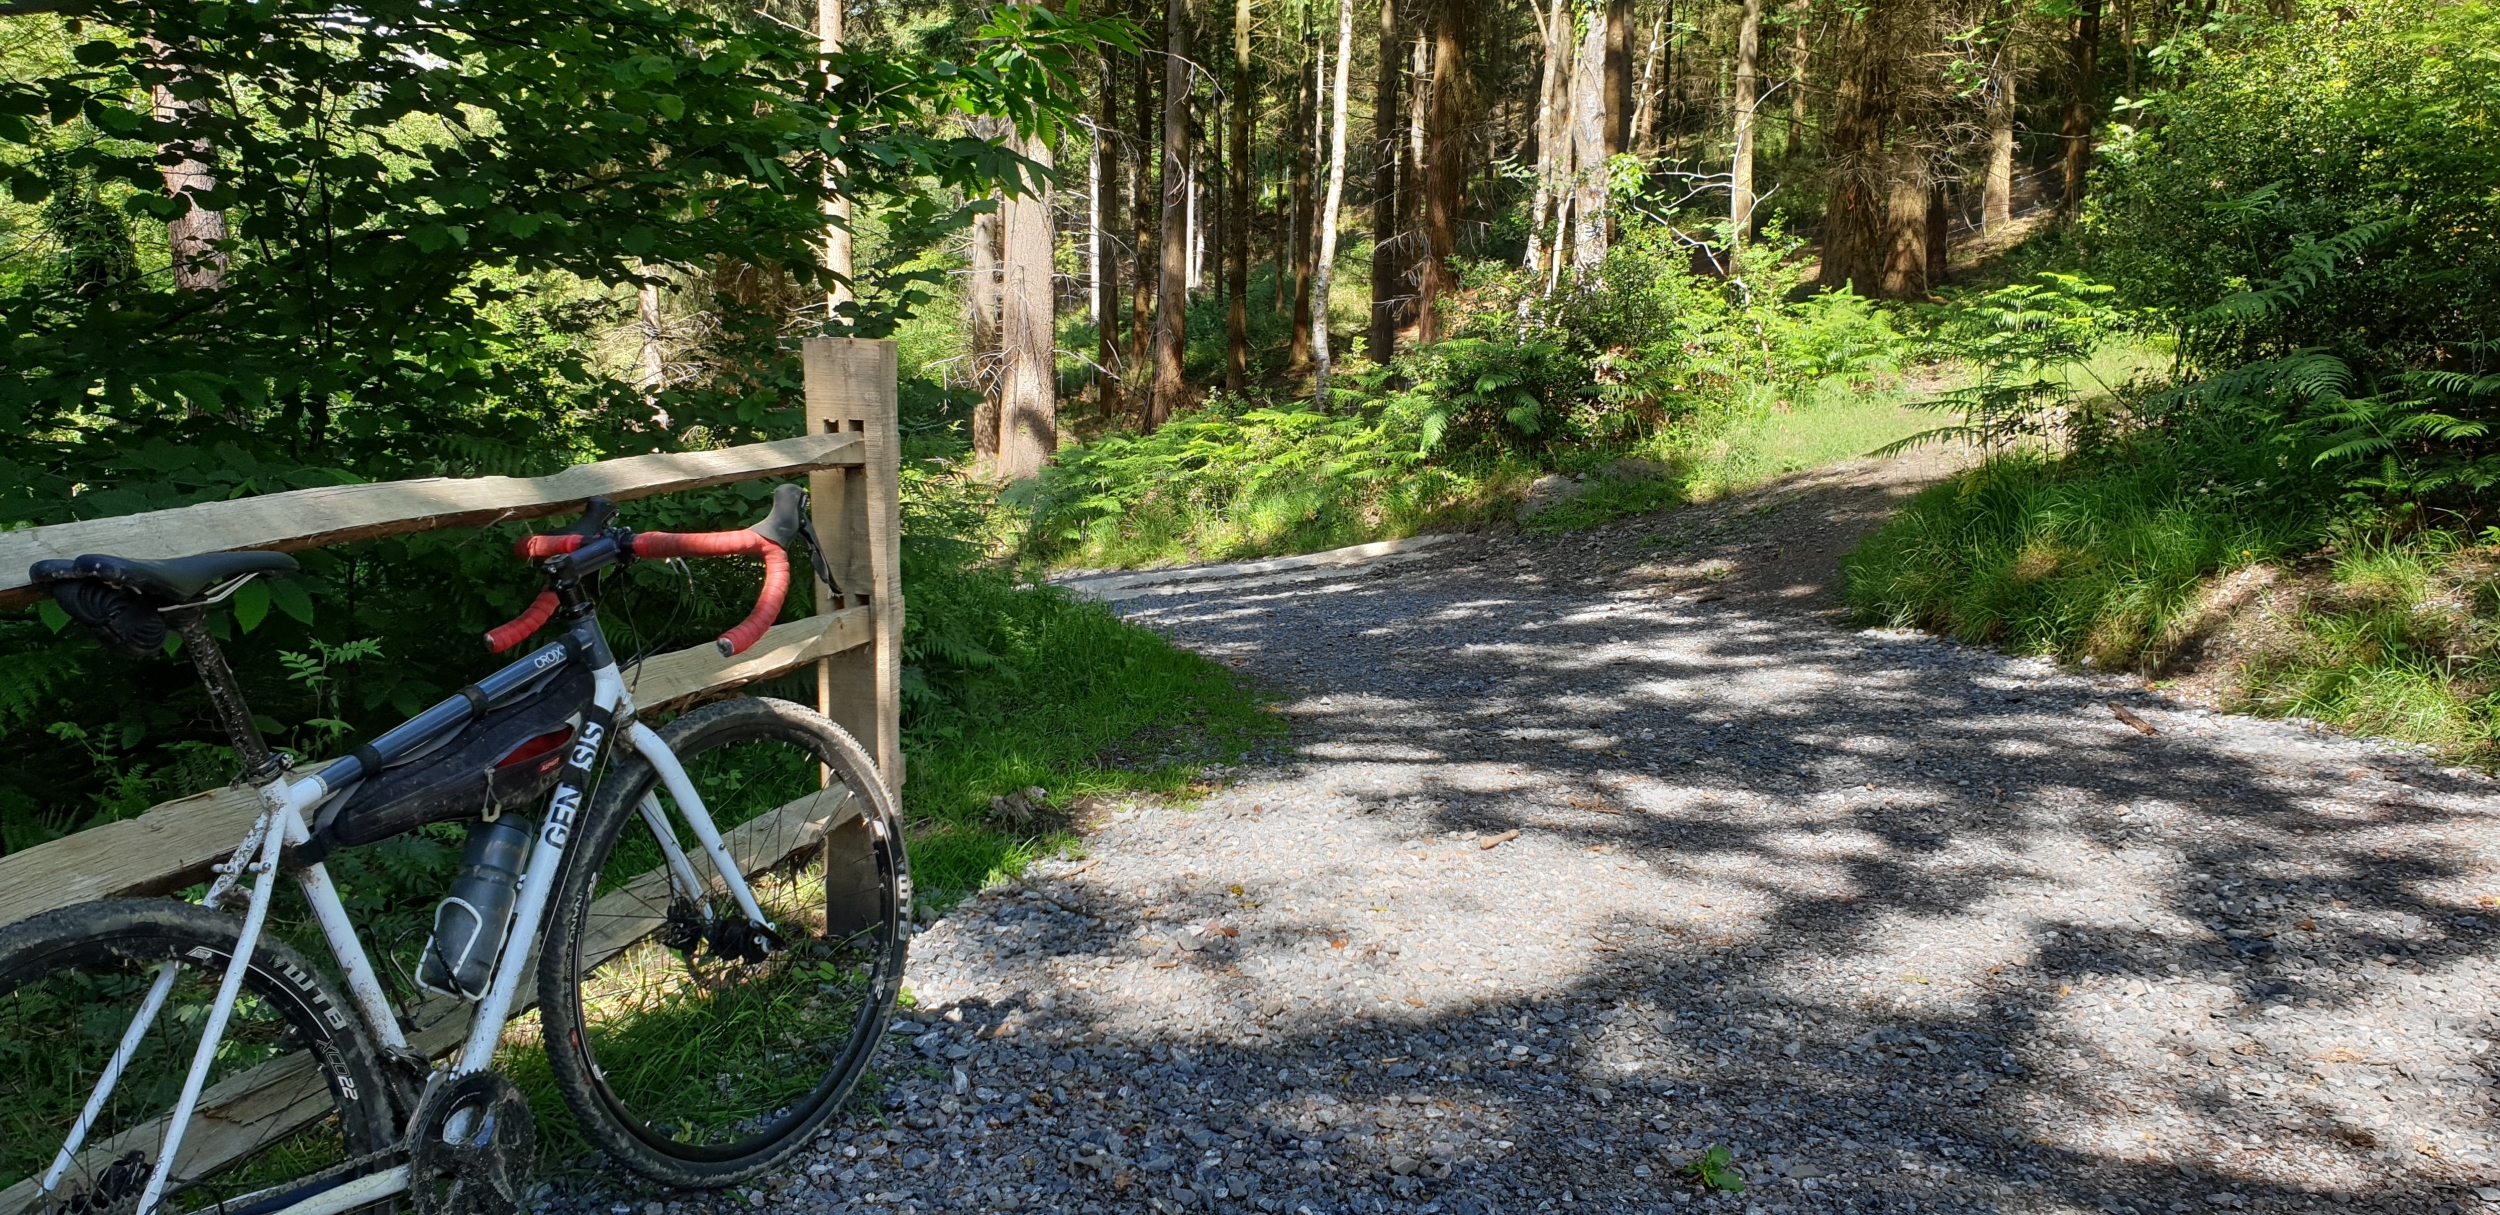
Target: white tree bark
[(1335, 200), (1588, 138), (1093, 230), (1556, 35), (1419, 100), (838, 211)]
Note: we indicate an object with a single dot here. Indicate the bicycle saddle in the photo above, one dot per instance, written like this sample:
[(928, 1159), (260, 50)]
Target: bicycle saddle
[(170, 581), (120, 599)]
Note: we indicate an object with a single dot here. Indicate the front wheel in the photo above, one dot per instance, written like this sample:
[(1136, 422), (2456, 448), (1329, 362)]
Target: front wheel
[(696, 1046), (293, 1089)]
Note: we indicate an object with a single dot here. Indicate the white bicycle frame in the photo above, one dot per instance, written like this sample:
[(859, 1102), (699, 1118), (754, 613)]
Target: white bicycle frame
[(282, 824)]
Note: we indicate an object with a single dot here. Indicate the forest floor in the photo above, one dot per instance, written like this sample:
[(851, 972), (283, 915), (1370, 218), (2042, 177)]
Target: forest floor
[(1605, 849)]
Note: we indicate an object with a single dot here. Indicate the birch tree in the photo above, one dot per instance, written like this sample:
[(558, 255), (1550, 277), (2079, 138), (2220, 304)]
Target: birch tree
[(1556, 36), (837, 205), (1328, 210)]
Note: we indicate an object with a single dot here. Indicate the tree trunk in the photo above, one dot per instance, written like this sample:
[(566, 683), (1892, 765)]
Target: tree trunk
[(1306, 133), (1418, 111), (981, 306), (1385, 186), (1670, 106), (1939, 233), (838, 208), (1556, 38), (1797, 59), (1445, 163), (653, 363), (1193, 188), (1740, 173), (1237, 234), (1106, 226), (1645, 115), (1588, 147), (1028, 402), (1997, 200), (190, 171), (1328, 210), (1905, 220), (1854, 245), (1172, 294), (1618, 76), (1143, 214), (2085, 47)]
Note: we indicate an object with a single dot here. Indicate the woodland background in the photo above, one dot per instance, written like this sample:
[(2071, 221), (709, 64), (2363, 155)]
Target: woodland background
[(2206, 282)]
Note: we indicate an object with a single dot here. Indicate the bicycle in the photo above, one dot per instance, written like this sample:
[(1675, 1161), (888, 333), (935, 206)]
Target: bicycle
[(717, 907)]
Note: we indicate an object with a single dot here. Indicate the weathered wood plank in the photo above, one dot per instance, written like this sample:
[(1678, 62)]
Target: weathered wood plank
[(170, 846), (310, 518), (850, 390), (669, 678)]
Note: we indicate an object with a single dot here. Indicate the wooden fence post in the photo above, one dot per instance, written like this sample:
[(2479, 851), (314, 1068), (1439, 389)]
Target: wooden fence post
[(851, 388)]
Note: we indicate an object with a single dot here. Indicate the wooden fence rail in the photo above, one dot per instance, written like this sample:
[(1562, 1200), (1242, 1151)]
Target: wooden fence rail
[(849, 452)]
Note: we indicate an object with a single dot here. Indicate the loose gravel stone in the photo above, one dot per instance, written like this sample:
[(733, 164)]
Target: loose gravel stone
[(1906, 926)]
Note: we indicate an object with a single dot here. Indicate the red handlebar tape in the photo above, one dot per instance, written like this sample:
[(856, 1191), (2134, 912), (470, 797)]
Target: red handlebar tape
[(729, 544), (656, 545), (504, 637)]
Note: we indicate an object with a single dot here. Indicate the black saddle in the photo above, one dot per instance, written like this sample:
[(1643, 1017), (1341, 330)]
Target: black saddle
[(121, 599)]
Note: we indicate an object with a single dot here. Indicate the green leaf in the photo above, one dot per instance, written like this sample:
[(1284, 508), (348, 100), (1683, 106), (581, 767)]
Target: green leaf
[(251, 604), (52, 616), (291, 599)]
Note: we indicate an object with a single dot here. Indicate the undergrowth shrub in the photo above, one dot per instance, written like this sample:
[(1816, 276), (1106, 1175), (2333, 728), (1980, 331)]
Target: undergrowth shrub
[(1645, 359)]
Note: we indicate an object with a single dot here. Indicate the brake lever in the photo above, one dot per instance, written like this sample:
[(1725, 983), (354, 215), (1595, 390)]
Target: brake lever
[(597, 513), (816, 552)]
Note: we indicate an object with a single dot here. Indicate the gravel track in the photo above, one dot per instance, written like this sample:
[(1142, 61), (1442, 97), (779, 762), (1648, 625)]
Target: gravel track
[(1599, 852)]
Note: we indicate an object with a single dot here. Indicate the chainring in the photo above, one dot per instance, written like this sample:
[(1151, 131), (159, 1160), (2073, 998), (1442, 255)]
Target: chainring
[(484, 1168)]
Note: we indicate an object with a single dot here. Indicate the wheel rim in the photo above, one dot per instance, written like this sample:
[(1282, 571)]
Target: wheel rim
[(702, 1048), (61, 1024)]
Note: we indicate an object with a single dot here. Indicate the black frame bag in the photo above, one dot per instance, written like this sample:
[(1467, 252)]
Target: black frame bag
[(505, 757)]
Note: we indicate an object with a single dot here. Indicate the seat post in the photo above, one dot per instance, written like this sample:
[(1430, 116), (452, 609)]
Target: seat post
[(260, 764)]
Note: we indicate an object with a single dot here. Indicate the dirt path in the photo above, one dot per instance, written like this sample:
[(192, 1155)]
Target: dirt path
[(1599, 852)]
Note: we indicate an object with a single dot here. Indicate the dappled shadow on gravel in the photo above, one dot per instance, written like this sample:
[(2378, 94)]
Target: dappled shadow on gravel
[(1908, 926)]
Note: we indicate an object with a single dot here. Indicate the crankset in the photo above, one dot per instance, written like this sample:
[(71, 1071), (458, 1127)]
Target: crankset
[(470, 1148)]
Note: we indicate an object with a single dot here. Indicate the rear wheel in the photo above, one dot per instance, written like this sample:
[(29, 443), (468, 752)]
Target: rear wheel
[(295, 1087), (695, 1047)]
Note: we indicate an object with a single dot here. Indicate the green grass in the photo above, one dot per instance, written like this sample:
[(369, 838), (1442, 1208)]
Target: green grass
[(1015, 686), (1758, 444), (2110, 560), (2043, 556)]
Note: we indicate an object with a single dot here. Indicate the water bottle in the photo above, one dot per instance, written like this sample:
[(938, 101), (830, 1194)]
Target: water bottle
[(470, 924)]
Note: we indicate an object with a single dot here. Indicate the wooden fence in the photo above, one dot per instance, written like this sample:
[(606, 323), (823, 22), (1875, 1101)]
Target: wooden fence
[(852, 462)]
